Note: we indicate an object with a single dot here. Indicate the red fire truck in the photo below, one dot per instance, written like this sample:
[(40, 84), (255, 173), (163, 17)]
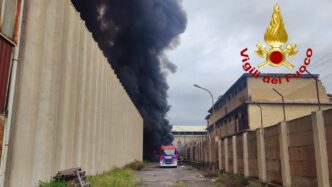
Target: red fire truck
[(168, 156)]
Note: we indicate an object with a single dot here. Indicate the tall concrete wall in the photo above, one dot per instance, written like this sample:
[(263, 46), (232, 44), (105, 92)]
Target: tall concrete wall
[(70, 109), (293, 153)]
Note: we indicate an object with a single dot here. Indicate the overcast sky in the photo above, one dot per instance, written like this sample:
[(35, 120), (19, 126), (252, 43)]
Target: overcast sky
[(209, 52)]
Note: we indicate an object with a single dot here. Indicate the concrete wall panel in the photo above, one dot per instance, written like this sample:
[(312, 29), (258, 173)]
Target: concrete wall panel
[(230, 154), (239, 153), (272, 154), (252, 154), (222, 150), (302, 152)]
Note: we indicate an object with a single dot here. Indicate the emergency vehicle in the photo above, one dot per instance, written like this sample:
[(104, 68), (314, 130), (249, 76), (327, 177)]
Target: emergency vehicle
[(168, 156)]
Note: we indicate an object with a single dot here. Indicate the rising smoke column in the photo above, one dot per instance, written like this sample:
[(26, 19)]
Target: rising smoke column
[(134, 35)]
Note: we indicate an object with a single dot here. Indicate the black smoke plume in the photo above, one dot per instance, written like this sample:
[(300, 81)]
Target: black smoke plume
[(134, 35)]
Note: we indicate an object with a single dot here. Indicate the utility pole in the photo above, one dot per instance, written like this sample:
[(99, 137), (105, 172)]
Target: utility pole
[(213, 111), (317, 90), (283, 102), (213, 118)]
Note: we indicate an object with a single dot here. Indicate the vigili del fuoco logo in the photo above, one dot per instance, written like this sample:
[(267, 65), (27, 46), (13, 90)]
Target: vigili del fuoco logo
[(277, 54)]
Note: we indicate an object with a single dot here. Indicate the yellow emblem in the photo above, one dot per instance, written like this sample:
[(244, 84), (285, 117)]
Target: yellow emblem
[(276, 36)]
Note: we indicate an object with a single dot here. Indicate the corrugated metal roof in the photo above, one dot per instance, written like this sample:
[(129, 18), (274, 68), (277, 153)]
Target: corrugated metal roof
[(188, 128)]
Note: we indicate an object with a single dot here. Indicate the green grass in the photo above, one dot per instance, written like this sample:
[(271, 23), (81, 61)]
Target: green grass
[(53, 184), (119, 177), (179, 184)]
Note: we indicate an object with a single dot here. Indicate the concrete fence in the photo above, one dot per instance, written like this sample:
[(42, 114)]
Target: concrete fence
[(70, 109), (292, 153)]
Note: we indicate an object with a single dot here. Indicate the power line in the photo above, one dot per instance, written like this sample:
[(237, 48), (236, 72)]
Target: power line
[(321, 66)]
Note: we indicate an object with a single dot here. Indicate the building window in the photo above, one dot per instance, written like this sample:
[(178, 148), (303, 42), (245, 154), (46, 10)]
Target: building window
[(9, 19)]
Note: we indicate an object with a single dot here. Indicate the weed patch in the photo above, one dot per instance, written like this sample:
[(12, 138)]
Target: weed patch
[(119, 177), (179, 184), (230, 180)]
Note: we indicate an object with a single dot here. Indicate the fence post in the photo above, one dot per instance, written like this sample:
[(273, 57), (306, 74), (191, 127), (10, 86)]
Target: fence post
[(234, 155), (206, 160), (226, 154), (284, 154), (245, 154), (202, 153), (219, 154), (191, 152), (199, 152), (210, 152), (319, 136), (261, 155)]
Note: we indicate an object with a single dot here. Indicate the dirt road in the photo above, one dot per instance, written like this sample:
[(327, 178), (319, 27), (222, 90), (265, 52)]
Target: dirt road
[(153, 175)]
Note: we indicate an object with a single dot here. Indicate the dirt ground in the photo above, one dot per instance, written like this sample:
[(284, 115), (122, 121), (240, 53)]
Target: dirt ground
[(153, 175)]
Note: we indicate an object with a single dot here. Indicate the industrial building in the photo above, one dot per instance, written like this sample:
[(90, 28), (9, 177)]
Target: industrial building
[(61, 104), (277, 133), (184, 134), (251, 103)]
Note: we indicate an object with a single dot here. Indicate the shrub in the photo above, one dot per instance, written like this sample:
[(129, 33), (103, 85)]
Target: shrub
[(136, 165)]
